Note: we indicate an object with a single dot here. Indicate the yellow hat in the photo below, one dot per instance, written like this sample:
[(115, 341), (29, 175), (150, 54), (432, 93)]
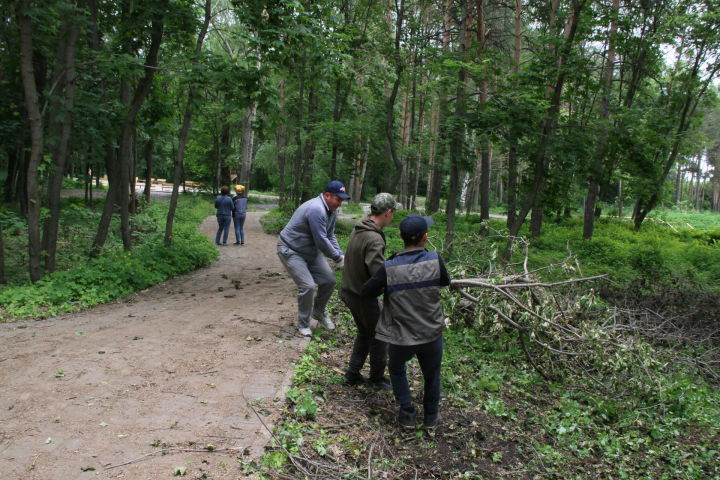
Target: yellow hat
[(239, 188)]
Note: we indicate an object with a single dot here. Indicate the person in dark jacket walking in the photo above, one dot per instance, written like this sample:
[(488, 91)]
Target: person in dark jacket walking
[(224, 209), (365, 254), (240, 202), (412, 321)]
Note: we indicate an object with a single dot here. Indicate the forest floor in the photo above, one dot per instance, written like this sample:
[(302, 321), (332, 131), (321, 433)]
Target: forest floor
[(165, 378)]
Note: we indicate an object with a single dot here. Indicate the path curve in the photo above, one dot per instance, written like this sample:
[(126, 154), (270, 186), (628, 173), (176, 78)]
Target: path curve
[(176, 366)]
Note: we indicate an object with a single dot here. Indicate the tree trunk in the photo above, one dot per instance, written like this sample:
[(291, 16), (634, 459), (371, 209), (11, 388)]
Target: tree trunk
[(119, 171), (512, 185), (689, 106), (597, 166), (14, 162), (125, 151), (3, 281), (185, 128), (309, 147), (548, 129), (296, 192), (148, 156), (457, 140), (390, 102), (36, 139), (485, 145), (60, 152), (248, 141), (281, 144), (432, 195)]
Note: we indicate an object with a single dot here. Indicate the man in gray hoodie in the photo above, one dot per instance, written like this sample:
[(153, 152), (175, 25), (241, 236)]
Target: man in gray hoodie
[(365, 255)]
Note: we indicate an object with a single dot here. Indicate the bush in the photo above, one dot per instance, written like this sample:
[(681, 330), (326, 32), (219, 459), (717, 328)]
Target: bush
[(118, 273)]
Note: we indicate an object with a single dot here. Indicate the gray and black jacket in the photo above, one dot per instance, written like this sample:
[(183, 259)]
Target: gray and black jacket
[(411, 280)]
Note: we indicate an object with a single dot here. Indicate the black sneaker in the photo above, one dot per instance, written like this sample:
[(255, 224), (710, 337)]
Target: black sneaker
[(380, 384), (406, 418), (431, 420), (354, 380)]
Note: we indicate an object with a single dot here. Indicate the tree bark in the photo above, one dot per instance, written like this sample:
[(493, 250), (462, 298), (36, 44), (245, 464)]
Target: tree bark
[(598, 163), (432, 196), (281, 144), (548, 128), (309, 147), (119, 171), (390, 102), (457, 141), (512, 185), (248, 142), (60, 152), (125, 151), (36, 139), (148, 156), (485, 144), (185, 128), (3, 281), (692, 100)]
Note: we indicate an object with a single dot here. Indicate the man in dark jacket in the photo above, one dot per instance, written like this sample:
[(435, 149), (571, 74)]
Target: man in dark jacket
[(412, 321), (364, 256)]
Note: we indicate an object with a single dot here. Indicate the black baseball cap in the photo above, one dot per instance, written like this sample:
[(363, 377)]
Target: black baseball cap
[(414, 226), (337, 188)]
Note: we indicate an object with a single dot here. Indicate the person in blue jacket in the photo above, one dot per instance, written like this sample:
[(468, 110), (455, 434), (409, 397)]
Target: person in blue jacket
[(224, 209), (303, 244), (240, 201)]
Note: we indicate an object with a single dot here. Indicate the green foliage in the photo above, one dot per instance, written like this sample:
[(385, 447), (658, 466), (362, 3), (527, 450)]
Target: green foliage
[(304, 405), (117, 273), (275, 220)]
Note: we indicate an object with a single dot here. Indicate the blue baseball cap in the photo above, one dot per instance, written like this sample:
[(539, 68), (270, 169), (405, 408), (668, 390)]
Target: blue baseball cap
[(414, 226), (337, 188)]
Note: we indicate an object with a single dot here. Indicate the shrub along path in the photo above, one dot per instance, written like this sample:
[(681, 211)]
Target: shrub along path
[(173, 369)]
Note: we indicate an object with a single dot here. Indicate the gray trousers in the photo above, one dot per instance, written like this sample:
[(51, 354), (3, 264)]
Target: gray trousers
[(315, 281)]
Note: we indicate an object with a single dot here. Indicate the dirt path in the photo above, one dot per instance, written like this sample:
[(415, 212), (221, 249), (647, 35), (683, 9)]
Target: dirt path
[(171, 367)]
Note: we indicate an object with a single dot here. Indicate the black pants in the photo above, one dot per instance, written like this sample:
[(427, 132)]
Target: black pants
[(366, 313), (429, 357)]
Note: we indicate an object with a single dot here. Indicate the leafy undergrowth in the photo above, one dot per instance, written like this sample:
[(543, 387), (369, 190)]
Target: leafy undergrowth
[(635, 403), (115, 273), (500, 419)]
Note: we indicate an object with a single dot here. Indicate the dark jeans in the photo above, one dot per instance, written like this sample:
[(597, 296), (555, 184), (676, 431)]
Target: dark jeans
[(429, 357), (366, 312), (223, 228), (239, 221)]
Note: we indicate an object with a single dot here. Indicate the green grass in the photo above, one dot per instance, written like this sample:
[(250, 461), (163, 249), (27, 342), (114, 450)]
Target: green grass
[(686, 219)]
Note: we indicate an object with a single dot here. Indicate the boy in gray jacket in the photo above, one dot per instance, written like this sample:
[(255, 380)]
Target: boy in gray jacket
[(412, 321)]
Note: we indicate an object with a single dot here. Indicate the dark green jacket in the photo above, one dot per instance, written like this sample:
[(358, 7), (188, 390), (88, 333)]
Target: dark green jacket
[(364, 256)]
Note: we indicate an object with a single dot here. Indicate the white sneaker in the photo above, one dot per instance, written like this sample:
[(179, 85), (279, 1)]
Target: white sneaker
[(305, 332), (327, 323)]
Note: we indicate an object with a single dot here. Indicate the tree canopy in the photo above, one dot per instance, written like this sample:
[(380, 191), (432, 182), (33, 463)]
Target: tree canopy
[(546, 108)]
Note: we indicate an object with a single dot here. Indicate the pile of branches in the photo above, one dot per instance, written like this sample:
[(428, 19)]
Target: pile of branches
[(567, 332)]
